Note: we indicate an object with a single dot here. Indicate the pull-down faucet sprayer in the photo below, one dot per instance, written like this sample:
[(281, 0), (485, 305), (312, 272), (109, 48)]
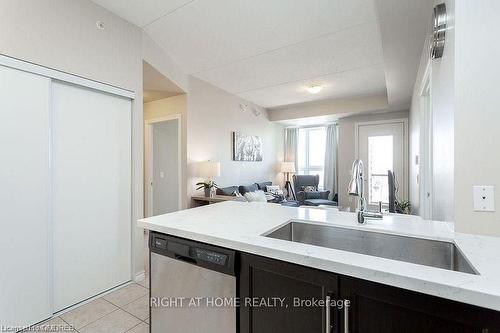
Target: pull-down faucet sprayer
[(356, 189)]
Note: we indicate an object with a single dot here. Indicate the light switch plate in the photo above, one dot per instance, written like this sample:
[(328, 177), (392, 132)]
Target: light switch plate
[(484, 198)]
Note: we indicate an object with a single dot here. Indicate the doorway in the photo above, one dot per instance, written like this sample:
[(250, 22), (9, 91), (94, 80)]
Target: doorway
[(163, 165), (164, 160), (382, 146)]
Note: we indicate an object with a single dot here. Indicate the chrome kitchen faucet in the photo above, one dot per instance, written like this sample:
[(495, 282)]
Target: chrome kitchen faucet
[(356, 189)]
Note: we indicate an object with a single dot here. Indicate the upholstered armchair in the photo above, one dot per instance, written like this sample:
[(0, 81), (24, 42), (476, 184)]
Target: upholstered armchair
[(306, 189)]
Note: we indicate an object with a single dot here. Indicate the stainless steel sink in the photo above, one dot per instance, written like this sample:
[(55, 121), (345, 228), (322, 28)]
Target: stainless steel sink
[(410, 249)]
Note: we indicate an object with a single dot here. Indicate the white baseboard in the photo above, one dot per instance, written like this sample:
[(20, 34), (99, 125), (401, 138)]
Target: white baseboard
[(140, 276)]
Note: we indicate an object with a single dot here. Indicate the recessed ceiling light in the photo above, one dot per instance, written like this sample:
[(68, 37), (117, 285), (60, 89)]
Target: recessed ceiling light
[(314, 89)]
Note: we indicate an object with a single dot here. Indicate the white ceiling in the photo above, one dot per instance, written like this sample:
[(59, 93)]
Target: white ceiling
[(142, 12), (403, 25), (269, 51), (362, 81)]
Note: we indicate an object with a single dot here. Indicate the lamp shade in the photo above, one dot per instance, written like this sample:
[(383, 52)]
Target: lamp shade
[(287, 167), (208, 169)]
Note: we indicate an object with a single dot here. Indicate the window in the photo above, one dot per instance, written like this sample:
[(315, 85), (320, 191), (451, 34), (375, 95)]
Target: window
[(380, 159), (311, 152)]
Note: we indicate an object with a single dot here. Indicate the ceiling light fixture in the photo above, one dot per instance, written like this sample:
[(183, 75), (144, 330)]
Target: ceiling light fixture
[(314, 89)]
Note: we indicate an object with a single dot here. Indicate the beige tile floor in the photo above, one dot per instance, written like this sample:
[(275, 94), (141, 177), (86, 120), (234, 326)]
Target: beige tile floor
[(124, 310)]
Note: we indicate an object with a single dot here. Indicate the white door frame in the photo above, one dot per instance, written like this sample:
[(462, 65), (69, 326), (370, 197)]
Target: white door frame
[(404, 121), (426, 179), (148, 160), (55, 74)]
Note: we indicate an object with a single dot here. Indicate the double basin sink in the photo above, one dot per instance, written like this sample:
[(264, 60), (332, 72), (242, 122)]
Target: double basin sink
[(440, 254)]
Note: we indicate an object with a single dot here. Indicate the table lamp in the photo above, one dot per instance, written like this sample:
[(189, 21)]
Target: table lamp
[(287, 168), (207, 170)]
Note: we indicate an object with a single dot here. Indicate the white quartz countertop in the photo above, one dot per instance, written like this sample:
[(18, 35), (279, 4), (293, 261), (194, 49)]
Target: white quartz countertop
[(240, 225)]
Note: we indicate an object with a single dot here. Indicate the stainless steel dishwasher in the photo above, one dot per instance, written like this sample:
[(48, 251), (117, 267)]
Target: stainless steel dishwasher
[(192, 286)]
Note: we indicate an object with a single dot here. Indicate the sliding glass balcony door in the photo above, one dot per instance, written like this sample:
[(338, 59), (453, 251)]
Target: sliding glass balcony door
[(382, 146)]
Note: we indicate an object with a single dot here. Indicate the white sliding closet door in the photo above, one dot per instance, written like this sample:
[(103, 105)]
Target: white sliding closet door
[(24, 198), (91, 192)]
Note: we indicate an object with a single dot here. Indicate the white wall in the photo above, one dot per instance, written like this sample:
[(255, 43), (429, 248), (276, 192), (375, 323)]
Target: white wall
[(442, 77), (415, 137), (465, 108), (414, 153), (213, 115), (443, 105), (477, 112), (347, 148), (166, 107), (157, 57), (338, 107), (62, 35)]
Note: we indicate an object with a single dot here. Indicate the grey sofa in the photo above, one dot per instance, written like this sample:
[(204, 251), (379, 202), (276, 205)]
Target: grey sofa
[(310, 198), (242, 189)]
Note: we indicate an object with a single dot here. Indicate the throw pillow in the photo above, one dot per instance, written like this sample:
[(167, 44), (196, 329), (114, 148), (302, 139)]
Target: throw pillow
[(269, 197), (262, 186), (257, 196), (247, 188), (309, 188), (272, 188)]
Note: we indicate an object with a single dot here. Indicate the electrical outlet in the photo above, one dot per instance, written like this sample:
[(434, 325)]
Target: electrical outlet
[(484, 198)]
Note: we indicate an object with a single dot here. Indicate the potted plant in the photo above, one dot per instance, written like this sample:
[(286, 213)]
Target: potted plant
[(402, 207), (207, 186)]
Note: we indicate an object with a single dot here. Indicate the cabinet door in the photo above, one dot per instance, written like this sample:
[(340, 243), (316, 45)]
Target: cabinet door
[(24, 198), (379, 308), (263, 279)]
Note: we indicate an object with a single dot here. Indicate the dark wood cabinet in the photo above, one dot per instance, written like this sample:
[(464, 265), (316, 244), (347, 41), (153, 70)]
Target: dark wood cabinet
[(266, 279), (377, 308), (374, 307)]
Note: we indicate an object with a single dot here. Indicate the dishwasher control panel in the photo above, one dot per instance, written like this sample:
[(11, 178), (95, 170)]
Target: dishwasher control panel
[(210, 256), (160, 243), (192, 252)]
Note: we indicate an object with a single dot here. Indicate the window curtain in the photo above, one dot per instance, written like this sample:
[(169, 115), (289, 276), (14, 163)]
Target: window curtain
[(291, 147), (330, 180)]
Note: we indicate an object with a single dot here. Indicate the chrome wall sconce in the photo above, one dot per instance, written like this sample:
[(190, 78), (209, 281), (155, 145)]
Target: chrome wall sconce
[(439, 21)]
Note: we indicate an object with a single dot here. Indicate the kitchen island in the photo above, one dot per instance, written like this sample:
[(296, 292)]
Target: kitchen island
[(240, 227)]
